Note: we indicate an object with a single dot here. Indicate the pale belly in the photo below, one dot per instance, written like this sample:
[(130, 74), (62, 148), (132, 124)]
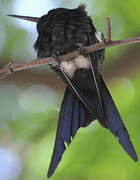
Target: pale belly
[(69, 67)]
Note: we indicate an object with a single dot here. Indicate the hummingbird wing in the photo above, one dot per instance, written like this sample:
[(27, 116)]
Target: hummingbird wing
[(95, 58), (114, 122)]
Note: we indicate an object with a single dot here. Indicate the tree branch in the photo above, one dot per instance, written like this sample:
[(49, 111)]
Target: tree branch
[(11, 68)]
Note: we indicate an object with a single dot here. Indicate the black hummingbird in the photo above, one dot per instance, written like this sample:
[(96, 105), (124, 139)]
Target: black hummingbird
[(86, 97)]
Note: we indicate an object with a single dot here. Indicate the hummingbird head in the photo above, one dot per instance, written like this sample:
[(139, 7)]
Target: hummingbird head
[(42, 22), (53, 15)]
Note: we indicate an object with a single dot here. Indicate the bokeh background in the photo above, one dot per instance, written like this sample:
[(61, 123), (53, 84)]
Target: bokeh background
[(30, 100)]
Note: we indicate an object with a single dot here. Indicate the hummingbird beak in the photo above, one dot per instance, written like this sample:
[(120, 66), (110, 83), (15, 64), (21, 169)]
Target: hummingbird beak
[(33, 19)]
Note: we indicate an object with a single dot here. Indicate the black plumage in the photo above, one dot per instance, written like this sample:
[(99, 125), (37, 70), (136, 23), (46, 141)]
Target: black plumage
[(86, 97), (62, 31)]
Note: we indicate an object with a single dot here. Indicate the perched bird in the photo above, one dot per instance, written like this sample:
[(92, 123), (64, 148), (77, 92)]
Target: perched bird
[(86, 97)]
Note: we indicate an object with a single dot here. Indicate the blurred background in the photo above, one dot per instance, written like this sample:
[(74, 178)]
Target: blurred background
[(30, 100)]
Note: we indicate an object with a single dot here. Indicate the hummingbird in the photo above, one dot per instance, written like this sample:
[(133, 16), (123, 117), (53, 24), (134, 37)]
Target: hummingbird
[(86, 97)]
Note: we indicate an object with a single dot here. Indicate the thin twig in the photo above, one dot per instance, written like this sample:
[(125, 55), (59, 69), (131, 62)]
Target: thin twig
[(5, 71), (108, 29), (11, 68)]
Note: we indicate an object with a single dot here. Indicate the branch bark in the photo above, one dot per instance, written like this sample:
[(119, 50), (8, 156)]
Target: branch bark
[(108, 30), (11, 68)]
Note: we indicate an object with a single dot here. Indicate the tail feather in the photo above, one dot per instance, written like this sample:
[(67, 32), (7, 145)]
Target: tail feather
[(76, 117), (59, 146), (115, 124), (82, 115), (67, 116), (73, 115)]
